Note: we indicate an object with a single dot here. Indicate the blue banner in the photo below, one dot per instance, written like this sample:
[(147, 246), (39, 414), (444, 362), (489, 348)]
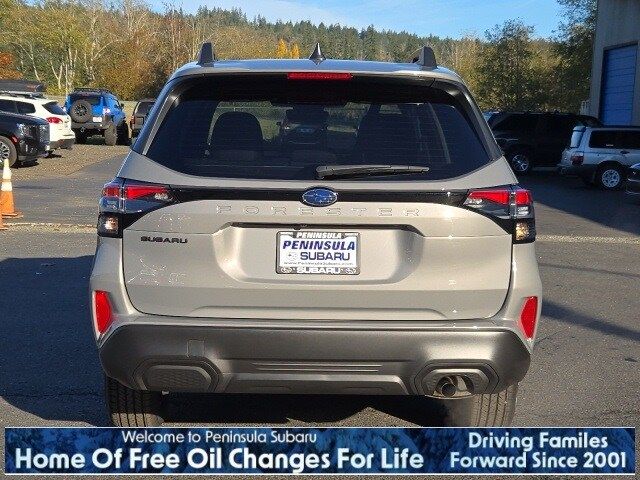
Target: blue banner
[(320, 450)]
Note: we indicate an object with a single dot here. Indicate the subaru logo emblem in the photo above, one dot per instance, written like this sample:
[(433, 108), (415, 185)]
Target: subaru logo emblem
[(319, 197)]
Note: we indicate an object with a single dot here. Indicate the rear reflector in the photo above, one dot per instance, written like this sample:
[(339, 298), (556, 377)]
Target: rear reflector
[(319, 76), (103, 313), (529, 316), (54, 120)]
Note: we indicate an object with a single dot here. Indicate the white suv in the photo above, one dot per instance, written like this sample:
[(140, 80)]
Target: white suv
[(60, 133), (601, 155)]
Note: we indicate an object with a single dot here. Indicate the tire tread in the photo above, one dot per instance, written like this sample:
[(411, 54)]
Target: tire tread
[(132, 408)]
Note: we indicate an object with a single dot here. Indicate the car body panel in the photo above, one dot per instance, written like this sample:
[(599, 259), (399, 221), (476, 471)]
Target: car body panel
[(197, 292)]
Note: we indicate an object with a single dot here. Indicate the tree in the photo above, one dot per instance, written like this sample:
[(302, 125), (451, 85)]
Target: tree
[(506, 78), (574, 47), (281, 49), (295, 51), (7, 69)]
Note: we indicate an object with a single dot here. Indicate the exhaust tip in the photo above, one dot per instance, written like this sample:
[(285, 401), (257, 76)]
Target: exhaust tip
[(446, 387)]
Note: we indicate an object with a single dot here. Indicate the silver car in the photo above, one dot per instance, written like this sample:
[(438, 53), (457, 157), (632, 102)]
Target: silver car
[(601, 155), (395, 258)]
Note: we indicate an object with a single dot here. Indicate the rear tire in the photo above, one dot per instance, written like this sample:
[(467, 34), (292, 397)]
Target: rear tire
[(132, 408), (110, 135), (486, 410), (610, 177), (8, 151), (123, 135)]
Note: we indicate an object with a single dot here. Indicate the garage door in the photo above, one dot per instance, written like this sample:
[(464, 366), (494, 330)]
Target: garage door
[(618, 81)]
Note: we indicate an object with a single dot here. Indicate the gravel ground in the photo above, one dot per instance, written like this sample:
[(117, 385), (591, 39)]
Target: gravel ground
[(66, 162)]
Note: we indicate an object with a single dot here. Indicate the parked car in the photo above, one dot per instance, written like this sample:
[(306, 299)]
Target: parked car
[(531, 139), (304, 125), (97, 112), (140, 112), (61, 135), (633, 182), (601, 155), (22, 138), (384, 262)]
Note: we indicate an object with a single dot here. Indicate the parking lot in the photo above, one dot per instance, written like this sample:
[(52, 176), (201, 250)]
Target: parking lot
[(584, 370)]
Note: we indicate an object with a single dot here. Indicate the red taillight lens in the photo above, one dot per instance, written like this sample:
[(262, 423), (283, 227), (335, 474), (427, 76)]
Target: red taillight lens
[(577, 159), (523, 197), (102, 310), (498, 195), (319, 76), (152, 192), (529, 316), (111, 190), (54, 120)]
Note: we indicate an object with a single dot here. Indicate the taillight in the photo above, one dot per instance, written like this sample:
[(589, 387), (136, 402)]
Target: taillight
[(511, 207), (319, 76), (577, 159), (54, 120), (124, 201), (529, 316), (102, 311)]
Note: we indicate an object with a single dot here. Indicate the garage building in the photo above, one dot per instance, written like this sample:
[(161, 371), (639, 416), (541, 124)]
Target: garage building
[(615, 75)]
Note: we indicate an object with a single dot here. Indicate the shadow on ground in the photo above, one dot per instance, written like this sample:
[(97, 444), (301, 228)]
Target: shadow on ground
[(572, 196)]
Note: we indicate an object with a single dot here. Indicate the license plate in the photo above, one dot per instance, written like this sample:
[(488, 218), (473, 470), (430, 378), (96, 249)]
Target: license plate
[(319, 253), (97, 119)]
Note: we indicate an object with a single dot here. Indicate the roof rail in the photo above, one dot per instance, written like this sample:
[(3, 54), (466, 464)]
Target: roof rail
[(207, 54), (94, 90), (425, 57), (317, 56)]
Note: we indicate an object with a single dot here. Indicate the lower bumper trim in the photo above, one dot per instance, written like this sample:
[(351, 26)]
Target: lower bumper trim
[(264, 360)]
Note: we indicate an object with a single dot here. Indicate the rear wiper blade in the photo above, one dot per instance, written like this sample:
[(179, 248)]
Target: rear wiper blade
[(327, 171)]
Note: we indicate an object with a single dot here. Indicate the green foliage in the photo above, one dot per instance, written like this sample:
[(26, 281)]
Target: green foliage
[(574, 46), (129, 48), (507, 79)]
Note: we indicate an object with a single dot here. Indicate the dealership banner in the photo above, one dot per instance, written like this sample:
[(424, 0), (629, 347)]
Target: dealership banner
[(320, 450)]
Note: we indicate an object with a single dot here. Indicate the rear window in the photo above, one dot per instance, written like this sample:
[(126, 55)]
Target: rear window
[(25, 108), (274, 128), (92, 99), (53, 107), (143, 108)]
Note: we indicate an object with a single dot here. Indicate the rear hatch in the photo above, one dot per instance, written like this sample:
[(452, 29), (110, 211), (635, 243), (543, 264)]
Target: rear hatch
[(371, 223)]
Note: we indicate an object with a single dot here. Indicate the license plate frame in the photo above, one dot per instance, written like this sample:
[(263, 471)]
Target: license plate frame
[(351, 241)]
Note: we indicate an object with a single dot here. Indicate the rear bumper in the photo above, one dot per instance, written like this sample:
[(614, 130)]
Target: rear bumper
[(583, 171), (633, 186), (64, 143), (331, 360), (89, 126)]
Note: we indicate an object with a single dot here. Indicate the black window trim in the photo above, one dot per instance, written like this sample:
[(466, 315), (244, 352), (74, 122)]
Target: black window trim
[(176, 86)]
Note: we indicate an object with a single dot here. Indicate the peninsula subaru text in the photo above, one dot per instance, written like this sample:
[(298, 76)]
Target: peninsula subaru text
[(315, 226)]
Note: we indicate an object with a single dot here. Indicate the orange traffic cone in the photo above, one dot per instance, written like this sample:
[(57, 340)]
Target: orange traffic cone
[(2, 227), (7, 207)]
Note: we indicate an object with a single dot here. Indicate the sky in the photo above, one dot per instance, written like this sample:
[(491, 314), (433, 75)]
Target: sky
[(452, 18)]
